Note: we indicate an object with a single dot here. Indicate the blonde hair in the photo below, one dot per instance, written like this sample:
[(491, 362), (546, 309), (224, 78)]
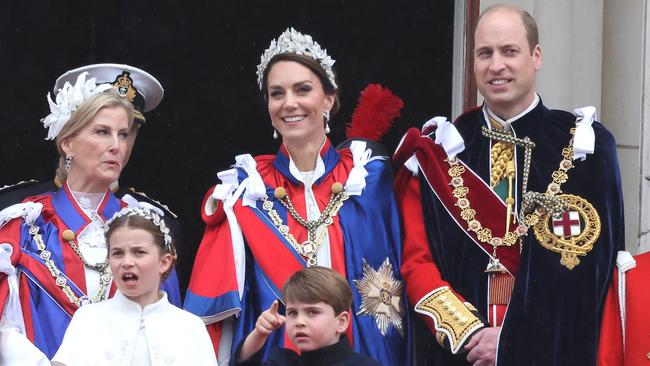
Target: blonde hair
[(83, 116)]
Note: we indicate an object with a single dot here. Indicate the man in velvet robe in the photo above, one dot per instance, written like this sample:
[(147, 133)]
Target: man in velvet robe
[(512, 216)]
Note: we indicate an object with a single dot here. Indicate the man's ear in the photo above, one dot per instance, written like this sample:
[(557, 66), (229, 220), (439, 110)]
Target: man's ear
[(537, 57)]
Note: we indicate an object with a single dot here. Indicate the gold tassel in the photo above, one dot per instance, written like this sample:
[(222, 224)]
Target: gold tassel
[(510, 172)]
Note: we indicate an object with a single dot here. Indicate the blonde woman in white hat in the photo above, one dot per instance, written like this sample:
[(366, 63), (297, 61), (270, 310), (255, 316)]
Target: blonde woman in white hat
[(54, 256)]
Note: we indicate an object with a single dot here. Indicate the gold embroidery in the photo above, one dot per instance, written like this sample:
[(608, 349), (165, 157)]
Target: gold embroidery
[(451, 316), (124, 85), (381, 297)]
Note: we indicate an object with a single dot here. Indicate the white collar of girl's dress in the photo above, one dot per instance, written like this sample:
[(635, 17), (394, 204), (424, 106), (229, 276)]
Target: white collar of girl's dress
[(129, 305)]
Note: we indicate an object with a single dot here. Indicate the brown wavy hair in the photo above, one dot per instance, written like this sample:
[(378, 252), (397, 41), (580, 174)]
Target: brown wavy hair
[(314, 66)]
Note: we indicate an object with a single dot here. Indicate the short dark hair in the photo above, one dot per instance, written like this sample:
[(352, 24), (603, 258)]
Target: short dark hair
[(139, 222), (314, 66), (319, 284), (530, 25)]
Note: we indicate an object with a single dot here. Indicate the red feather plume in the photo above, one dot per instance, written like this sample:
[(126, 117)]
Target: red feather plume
[(374, 114)]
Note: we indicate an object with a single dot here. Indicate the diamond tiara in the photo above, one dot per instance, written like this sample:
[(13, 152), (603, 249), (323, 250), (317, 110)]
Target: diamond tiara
[(292, 41), (149, 215)]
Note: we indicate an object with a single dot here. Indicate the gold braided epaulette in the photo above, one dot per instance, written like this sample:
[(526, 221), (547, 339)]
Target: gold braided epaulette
[(453, 319)]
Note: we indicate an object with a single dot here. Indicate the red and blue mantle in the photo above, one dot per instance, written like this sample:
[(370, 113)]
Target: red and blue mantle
[(46, 309), (366, 227)]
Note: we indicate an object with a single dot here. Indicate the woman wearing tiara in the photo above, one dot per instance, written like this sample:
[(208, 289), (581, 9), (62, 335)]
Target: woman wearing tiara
[(52, 248), (311, 204)]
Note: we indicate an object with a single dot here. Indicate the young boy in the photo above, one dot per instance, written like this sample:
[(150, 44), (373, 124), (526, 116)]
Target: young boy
[(317, 301)]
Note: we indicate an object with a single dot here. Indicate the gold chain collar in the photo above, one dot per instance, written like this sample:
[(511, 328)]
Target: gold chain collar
[(69, 236), (534, 204), (316, 229), (62, 281)]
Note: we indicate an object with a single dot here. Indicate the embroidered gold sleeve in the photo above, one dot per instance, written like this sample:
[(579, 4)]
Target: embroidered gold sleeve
[(454, 320)]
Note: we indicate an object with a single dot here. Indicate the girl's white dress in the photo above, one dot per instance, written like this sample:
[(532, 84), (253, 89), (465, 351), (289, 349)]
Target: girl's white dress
[(119, 332)]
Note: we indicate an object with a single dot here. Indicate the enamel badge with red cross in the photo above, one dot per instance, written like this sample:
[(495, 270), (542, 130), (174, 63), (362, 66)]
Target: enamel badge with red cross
[(573, 234), (567, 225)]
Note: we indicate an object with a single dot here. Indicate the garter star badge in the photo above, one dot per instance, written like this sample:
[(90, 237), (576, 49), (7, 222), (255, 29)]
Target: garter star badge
[(381, 297), (571, 234)]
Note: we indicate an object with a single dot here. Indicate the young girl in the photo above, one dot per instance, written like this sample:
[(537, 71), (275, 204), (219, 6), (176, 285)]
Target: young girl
[(138, 326)]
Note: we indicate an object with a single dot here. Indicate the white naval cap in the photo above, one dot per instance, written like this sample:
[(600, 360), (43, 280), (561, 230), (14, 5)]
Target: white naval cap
[(137, 85)]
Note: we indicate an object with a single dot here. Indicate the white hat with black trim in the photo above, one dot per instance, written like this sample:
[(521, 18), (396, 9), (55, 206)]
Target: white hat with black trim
[(137, 85)]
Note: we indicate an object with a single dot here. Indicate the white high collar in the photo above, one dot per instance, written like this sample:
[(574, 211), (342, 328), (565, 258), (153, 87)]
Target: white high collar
[(317, 172), (489, 114), (127, 305)]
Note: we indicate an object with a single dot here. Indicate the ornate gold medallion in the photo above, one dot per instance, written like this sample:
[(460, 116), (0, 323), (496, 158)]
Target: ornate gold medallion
[(381, 297), (572, 234)]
